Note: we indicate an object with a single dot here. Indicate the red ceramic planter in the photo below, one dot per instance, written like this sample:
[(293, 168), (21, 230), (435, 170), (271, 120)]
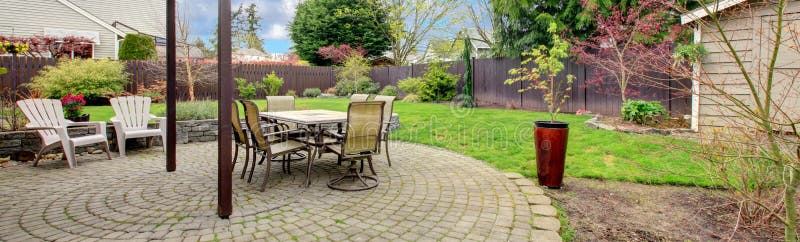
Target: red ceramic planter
[(551, 148)]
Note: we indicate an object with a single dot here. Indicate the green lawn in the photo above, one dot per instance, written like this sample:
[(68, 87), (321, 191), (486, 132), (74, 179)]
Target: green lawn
[(504, 138)]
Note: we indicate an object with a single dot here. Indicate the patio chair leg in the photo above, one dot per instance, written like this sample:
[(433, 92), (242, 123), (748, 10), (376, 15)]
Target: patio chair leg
[(266, 176), (246, 162), (387, 153), (39, 155), (108, 150), (253, 167), (121, 146), (235, 157), (308, 168), (369, 159)]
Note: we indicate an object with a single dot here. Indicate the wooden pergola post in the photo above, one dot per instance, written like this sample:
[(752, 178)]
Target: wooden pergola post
[(171, 87), (224, 92)]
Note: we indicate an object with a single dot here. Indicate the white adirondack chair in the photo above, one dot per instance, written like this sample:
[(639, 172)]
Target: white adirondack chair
[(133, 115), (47, 116)]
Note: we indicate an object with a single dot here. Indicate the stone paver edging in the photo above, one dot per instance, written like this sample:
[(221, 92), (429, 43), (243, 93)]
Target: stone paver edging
[(545, 223), (429, 194)]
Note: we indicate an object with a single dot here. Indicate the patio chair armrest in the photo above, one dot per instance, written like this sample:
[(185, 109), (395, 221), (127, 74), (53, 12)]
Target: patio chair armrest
[(334, 134), (36, 126), (162, 122)]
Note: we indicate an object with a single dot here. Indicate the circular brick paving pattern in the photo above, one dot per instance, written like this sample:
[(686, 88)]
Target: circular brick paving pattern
[(428, 194)]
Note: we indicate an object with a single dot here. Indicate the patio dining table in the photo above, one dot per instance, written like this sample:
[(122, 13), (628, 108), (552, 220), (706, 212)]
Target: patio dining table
[(317, 118)]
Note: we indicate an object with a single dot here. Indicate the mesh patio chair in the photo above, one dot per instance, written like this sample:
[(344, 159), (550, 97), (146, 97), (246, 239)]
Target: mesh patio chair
[(387, 119), (280, 104), (360, 142), (269, 148), (359, 97), (240, 137)]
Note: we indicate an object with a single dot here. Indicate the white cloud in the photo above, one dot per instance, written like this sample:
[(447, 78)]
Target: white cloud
[(276, 32)]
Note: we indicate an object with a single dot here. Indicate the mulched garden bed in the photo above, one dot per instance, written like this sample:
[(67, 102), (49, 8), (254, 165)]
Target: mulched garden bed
[(601, 210)]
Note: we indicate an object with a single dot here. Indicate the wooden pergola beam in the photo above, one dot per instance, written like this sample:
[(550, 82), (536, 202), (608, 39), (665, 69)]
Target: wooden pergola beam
[(171, 87)]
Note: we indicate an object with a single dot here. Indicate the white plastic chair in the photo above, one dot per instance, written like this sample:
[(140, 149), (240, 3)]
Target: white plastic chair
[(133, 116), (47, 116)]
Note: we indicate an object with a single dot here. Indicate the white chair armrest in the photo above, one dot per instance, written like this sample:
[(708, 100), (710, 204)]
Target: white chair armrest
[(36, 126)]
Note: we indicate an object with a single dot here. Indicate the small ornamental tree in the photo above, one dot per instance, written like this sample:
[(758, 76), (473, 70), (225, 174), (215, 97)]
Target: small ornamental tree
[(339, 54), (272, 84), (137, 47), (543, 76), (627, 48)]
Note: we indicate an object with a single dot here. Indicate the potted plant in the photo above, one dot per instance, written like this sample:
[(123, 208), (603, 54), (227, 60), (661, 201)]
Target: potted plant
[(550, 136), (73, 107)]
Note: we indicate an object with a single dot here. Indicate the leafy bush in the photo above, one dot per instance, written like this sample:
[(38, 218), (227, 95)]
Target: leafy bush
[(92, 78), (642, 112), (353, 77), (364, 86), (389, 91), (272, 84), (291, 93), (411, 85), (196, 110), (137, 47), (312, 92), (411, 98), (439, 85), (246, 90)]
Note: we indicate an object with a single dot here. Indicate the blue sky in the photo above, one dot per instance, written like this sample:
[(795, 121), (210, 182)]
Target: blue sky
[(275, 14)]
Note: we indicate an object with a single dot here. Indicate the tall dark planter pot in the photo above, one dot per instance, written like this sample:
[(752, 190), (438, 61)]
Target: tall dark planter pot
[(551, 148)]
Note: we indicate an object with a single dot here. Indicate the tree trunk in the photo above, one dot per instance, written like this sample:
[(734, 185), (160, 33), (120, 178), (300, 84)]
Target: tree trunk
[(789, 193), (189, 77)]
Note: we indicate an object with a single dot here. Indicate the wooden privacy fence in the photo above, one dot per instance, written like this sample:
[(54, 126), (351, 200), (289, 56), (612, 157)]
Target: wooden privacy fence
[(488, 78)]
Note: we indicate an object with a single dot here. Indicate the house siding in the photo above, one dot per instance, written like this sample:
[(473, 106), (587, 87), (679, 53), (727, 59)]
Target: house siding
[(31, 17), (146, 16), (747, 31)]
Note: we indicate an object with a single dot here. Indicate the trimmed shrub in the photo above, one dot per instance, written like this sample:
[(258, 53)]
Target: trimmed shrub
[(642, 112), (439, 85), (137, 47), (272, 84), (411, 98), (411, 85), (389, 91), (92, 78), (363, 86), (312, 92), (291, 93), (246, 90), (196, 110)]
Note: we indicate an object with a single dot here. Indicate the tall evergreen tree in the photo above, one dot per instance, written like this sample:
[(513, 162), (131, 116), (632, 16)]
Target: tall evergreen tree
[(320, 23)]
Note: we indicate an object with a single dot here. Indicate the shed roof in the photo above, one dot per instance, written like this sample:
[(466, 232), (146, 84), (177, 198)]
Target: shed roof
[(702, 12)]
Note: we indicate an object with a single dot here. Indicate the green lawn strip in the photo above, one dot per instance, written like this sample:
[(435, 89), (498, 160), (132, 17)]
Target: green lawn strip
[(504, 138)]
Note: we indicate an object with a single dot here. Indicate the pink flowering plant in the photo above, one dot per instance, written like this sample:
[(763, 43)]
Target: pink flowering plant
[(73, 105)]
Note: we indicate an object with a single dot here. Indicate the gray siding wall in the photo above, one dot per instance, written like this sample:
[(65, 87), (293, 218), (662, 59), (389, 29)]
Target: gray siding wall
[(747, 31), (146, 16), (31, 17)]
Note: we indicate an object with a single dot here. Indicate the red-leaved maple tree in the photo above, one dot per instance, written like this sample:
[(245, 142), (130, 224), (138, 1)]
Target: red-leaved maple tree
[(56, 47), (630, 49), (338, 54)]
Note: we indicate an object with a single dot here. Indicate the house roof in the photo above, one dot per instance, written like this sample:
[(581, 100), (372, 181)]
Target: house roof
[(91, 17), (144, 16), (712, 8), (478, 42), (249, 52)]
